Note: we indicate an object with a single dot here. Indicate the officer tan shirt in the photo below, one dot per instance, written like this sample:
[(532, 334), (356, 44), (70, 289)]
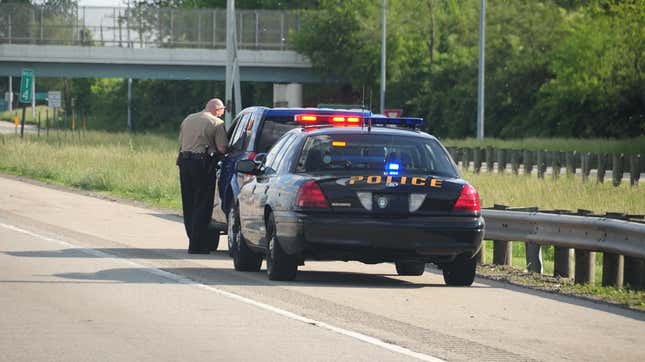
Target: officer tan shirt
[(202, 132)]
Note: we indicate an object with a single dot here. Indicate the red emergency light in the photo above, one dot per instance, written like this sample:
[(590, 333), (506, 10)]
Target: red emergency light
[(312, 119)]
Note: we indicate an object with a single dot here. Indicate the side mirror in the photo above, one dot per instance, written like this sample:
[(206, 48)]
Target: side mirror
[(260, 158), (246, 166)]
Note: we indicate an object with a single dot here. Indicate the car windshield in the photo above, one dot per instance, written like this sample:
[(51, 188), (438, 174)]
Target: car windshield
[(339, 154)]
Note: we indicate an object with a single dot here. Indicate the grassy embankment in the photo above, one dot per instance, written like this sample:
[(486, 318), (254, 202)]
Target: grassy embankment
[(142, 167)]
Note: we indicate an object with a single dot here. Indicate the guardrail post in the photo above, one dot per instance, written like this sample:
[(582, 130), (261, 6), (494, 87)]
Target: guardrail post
[(586, 166), (570, 163), (562, 262), (489, 159), (515, 161), (533, 254), (634, 169), (585, 267), (501, 160), (528, 162), (617, 169), (465, 161), (602, 167), (634, 272), (556, 164), (502, 252), (541, 164), (477, 159), (612, 269)]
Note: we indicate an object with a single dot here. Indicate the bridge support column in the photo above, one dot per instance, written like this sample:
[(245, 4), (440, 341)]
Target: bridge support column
[(287, 95)]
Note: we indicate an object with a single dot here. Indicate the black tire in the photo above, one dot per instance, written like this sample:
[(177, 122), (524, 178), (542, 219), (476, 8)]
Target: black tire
[(212, 233), (280, 265), (243, 258), (461, 272), (410, 267)]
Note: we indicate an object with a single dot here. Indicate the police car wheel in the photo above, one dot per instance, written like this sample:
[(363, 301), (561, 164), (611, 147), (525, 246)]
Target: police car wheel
[(410, 267), (280, 265), (460, 272), (243, 258)]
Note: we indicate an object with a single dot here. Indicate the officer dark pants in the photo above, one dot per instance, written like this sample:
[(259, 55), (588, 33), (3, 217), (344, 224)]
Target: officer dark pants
[(197, 178)]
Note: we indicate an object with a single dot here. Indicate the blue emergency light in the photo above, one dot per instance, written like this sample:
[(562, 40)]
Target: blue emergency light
[(398, 121), (392, 168)]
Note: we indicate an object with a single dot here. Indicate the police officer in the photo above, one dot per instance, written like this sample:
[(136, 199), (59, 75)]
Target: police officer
[(203, 140)]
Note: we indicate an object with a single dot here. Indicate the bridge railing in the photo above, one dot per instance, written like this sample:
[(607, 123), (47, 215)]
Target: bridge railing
[(144, 27)]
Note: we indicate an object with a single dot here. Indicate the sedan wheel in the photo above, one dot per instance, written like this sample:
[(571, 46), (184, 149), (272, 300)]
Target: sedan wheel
[(460, 272), (280, 265), (410, 267)]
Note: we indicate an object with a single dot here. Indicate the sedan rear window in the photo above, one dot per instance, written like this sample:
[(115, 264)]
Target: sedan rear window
[(272, 129), (379, 154)]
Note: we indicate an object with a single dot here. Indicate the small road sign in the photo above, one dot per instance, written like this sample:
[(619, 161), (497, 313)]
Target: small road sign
[(26, 85), (53, 99), (393, 112)]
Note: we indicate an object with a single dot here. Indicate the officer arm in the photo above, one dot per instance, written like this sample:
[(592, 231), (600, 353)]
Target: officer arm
[(221, 139)]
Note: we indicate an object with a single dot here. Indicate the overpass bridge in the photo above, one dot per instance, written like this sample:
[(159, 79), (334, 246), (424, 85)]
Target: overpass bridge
[(150, 43)]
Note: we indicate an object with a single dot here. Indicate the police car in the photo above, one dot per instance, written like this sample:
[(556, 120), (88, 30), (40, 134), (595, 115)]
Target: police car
[(356, 187)]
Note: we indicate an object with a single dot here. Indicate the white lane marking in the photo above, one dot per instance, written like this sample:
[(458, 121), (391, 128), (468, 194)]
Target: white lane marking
[(285, 313)]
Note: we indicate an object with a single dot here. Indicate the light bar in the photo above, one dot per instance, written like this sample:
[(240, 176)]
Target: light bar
[(316, 119)]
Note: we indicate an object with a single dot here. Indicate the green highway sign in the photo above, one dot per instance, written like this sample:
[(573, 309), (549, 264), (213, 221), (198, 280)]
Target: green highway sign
[(26, 85)]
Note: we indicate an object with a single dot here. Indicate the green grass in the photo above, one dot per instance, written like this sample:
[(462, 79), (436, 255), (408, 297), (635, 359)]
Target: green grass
[(630, 146), (9, 116), (139, 167), (563, 193)]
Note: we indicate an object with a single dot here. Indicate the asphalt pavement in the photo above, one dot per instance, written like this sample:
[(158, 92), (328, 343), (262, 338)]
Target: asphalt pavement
[(84, 278)]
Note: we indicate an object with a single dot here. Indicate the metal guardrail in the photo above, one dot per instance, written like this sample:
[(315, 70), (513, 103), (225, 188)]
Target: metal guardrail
[(143, 27), (579, 232)]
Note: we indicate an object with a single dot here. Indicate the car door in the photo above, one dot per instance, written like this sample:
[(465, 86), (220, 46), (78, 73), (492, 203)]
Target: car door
[(227, 169), (225, 172), (252, 217)]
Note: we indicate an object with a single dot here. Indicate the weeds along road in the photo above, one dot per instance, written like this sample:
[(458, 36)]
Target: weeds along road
[(88, 279)]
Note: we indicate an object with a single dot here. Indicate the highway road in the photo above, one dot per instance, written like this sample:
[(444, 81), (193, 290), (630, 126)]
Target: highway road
[(85, 278)]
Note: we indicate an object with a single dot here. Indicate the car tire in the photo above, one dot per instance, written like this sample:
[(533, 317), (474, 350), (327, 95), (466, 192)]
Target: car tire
[(460, 272), (243, 258), (280, 265), (410, 267)]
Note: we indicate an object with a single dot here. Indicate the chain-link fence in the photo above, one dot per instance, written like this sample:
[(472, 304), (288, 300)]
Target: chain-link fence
[(143, 27)]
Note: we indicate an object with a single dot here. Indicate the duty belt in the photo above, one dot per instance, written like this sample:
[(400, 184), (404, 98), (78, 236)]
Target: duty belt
[(187, 155)]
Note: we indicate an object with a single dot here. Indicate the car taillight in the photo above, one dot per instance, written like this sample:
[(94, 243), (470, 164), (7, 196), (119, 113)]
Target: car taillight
[(468, 200), (311, 196)]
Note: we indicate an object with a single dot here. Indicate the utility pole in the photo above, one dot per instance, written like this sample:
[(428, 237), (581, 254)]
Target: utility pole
[(480, 89), (383, 28), (232, 94)]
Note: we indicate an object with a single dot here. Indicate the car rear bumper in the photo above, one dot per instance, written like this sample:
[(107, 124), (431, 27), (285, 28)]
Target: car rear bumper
[(379, 239)]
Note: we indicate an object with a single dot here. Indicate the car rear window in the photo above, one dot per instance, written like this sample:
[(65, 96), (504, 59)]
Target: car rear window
[(382, 154), (272, 129)]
